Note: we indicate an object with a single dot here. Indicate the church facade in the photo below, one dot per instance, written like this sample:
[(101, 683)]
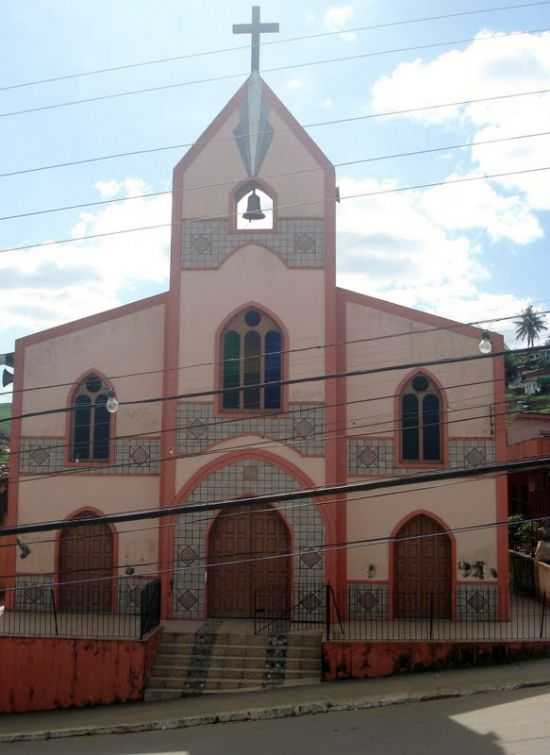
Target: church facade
[(252, 313)]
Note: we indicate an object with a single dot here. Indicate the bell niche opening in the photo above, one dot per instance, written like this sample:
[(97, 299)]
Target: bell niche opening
[(254, 209)]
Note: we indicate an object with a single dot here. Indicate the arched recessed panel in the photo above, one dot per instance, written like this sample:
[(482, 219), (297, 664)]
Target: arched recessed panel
[(252, 369), (273, 369), (81, 428), (102, 428), (409, 424), (231, 369), (420, 420), (431, 428), (91, 422), (423, 570), (86, 562), (240, 535)]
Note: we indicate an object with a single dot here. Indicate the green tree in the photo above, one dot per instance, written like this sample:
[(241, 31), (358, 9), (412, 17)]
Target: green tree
[(529, 326)]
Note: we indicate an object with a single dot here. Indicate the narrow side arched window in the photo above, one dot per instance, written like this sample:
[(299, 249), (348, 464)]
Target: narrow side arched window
[(420, 420), (91, 422), (252, 347)]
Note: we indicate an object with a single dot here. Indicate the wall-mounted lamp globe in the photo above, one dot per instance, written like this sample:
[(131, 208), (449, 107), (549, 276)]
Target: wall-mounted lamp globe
[(485, 345), (112, 404)]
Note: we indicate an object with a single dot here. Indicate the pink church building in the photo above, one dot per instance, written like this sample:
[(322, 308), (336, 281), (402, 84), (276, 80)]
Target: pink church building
[(252, 310)]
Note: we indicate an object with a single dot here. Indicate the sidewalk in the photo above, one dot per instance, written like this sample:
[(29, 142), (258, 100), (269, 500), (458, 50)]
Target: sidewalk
[(277, 703)]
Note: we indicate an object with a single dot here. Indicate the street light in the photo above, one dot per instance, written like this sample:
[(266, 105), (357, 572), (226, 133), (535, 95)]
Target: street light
[(485, 345)]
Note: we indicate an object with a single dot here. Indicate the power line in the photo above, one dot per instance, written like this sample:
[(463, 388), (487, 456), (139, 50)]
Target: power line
[(286, 508), (318, 492), (151, 194), (315, 347), (274, 69), (322, 377), (158, 226), (200, 54), (317, 124), (320, 547), (337, 433), (229, 420)]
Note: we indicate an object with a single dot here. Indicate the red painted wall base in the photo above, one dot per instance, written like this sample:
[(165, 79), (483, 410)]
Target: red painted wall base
[(363, 660), (47, 673)]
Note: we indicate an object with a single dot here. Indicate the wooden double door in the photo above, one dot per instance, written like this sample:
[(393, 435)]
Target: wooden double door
[(241, 575), (86, 562), (423, 570)]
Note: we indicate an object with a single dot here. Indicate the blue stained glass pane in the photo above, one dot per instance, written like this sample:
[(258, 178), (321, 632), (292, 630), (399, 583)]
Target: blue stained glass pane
[(273, 370), (102, 429), (252, 318), (431, 428), (231, 369), (81, 428), (410, 447)]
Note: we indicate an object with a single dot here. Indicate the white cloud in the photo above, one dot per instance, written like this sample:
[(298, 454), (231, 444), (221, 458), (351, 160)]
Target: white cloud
[(327, 103), (337, 17), (89, 276), (419, 261), (295, 84), (486, 68)]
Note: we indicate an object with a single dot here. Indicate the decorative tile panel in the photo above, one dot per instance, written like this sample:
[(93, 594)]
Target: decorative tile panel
[(375, 456), (34, 592), (299, 242), (303, 428), (368, 601), (468, 452), (131, 456), (370, 456), (477, 602), (304, 520)]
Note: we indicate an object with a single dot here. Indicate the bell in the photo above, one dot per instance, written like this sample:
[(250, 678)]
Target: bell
[(7, 378), (253, 208)]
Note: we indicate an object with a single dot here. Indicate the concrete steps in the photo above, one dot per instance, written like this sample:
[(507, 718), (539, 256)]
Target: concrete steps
[(214, 662)]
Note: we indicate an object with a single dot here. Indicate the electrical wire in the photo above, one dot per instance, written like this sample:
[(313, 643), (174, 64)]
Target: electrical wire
[(335, 434), (364, 194), (347, 30), (299, 410), (273, 69), (316, 124), (321, 377), (449, 325), (322, 547), (152, 194)]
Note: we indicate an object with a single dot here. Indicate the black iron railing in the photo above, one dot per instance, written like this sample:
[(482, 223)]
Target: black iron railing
[(473, 612), (523, 572), (149, 607), (131, 610)]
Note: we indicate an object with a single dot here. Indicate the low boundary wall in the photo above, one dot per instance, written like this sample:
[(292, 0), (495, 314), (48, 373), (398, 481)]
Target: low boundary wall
[(39, 673), (364, 660)]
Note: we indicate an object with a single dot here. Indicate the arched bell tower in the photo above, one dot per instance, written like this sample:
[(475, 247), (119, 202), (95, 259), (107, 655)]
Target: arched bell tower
[(253, 219)]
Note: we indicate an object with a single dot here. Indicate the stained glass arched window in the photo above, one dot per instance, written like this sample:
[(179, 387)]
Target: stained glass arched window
[(420, 420), (91, 422), (252, 347)]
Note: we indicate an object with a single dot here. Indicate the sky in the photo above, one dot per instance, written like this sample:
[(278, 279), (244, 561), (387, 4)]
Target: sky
[(468, 251)]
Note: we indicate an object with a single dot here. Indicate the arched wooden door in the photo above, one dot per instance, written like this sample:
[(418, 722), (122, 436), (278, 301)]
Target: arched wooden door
[(86, 553), (240, 535), (423, 571)]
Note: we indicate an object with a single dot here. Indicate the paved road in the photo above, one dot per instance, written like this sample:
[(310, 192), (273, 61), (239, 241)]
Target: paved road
[(516, 723)]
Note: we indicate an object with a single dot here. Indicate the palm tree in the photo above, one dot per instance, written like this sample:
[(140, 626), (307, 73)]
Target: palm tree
[(529, 326)]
